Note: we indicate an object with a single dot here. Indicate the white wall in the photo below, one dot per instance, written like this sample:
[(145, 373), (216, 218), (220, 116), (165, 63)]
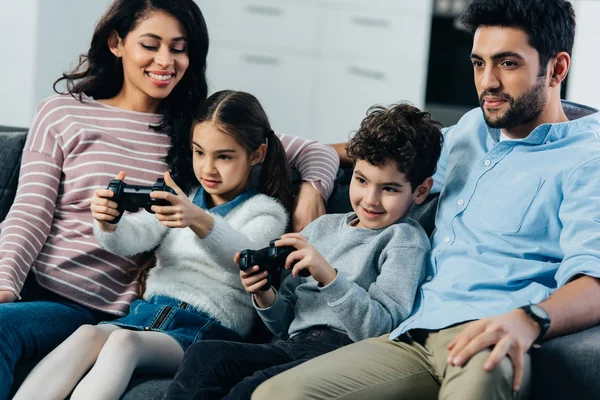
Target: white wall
[(18, 32), (41, 39), (584, 78)]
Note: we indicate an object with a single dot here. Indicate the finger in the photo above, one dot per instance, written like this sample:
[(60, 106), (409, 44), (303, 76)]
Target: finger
[(170, 197), (299, 267), (518, 359), (172, 224), (291, 235), (255, 278), (171, 183), (111, 211), (236, 258), (460, 341), (475, 345), (293, 256), (498, 353), (294, 242), (249, 271), (257, 286), (103, 193), (120, 176), (166, 210)]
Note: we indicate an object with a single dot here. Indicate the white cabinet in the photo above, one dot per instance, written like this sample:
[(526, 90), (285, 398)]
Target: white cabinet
[(318, 65)]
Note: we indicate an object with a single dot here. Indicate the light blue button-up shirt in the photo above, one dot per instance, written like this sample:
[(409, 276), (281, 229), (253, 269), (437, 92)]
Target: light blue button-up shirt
[(516, 219)]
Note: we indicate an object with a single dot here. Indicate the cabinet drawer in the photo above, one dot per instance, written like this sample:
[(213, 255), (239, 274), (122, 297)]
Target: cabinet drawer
[(267, 24), (391, 35), (422, 6), (345, 91), (282, 83)]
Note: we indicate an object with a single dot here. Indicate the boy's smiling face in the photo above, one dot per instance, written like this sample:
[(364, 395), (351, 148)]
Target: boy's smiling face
[(380, 195)]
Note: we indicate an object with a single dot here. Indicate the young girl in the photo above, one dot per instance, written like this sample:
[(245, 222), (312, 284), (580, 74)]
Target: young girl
[(194, 291), (131, 98)]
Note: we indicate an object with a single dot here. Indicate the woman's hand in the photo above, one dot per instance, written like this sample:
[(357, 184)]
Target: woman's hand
[(309, 206), (104, 209), (182, 212), (6, 296)]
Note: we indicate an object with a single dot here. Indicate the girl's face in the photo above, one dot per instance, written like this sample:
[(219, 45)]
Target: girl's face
[(154, 57), (221, 164)]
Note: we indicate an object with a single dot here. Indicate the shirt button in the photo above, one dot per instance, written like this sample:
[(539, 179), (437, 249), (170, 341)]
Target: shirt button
[(447, 239), (487, 163), (461, 202), (428, 278), (147, 328), (548, 141)]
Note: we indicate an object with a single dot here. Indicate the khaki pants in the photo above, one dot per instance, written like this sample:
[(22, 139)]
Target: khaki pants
[(379, 368)]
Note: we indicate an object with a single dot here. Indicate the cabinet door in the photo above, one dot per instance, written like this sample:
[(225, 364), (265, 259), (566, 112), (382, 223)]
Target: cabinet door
[(345, 90), (261, 24), (282, 83), (370, 33)]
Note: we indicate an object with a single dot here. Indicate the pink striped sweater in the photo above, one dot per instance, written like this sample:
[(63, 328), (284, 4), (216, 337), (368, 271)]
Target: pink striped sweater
[(73, 148)]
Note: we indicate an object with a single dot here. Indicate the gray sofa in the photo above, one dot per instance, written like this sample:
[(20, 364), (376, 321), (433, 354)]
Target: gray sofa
[(564, 368)]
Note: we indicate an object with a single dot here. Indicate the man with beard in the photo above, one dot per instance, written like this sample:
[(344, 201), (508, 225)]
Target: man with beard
[(516, 251)]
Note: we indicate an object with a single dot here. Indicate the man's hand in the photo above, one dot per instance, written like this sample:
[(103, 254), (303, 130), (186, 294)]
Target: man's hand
[(309, 206), (6, 296), (511, 334), (308, 258), (182, 212)]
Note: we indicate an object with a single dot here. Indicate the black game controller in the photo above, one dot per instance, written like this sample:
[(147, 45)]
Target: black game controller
[(270, 259), (133, 197)]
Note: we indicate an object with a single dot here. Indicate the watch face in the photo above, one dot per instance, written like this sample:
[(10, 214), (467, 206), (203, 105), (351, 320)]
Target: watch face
[(539, 312)]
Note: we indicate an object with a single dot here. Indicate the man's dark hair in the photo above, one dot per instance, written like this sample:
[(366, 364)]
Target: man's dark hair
[(550, 24), (401, 133)]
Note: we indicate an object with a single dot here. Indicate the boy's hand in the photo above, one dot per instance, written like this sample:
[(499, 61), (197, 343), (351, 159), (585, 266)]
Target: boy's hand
[(182, 212), (6, 296), (253, 281), (309, 206), (103, 209), (308, 258)]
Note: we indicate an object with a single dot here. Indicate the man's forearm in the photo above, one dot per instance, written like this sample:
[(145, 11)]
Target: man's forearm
[(574, 307)]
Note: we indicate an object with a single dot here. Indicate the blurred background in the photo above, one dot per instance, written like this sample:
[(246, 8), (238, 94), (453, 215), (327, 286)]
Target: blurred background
[(316, 65)]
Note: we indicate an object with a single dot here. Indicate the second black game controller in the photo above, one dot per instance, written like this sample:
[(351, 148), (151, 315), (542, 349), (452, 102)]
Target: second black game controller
[(270, 259), (133, 197)]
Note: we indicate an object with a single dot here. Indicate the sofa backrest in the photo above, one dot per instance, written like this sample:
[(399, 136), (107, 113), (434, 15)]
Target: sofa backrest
[(12, 141)]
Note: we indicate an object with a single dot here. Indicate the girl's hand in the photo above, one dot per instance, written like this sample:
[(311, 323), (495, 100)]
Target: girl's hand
[(308, 258), (103, 209), (253, 281), (182, 212)]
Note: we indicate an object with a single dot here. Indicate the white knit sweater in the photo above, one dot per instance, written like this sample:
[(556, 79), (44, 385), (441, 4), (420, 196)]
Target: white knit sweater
[(201, 272)]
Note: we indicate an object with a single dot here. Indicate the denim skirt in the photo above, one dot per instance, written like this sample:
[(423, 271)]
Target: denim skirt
[(184, 323)]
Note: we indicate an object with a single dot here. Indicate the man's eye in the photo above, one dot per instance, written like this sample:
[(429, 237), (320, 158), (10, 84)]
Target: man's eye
[(200, 153), (390, 189), (477, 64)]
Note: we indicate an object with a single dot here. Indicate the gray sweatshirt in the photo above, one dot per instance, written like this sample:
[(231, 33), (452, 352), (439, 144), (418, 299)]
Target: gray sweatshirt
[(378, 275)]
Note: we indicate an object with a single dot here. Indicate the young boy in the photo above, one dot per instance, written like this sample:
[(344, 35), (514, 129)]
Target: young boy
[(365, 266)]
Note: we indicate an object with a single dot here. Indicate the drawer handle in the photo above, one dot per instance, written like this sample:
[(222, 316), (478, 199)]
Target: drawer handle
[(367, 73), (371, 21), (261, 60), (264, 10)]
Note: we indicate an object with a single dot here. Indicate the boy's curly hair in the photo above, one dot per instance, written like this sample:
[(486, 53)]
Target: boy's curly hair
[(401, 133)]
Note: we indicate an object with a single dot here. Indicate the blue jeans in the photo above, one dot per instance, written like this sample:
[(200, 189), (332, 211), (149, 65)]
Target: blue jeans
[(217, 369), (34, 326)]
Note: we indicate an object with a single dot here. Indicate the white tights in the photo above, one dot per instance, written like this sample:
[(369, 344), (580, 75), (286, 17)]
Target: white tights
[(113, 352)]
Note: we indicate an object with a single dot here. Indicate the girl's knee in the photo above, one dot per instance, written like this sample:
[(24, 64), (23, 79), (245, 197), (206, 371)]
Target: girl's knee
[(87, 333), (124, 339)]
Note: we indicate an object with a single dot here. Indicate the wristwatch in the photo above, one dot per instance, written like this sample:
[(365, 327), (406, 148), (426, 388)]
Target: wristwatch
[(539, 315)]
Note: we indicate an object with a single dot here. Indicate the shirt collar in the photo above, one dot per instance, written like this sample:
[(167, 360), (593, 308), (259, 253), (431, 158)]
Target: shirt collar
[(580, 117), (200, 199)]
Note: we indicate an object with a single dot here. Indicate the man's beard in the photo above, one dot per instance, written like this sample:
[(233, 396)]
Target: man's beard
[(522, 110)]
